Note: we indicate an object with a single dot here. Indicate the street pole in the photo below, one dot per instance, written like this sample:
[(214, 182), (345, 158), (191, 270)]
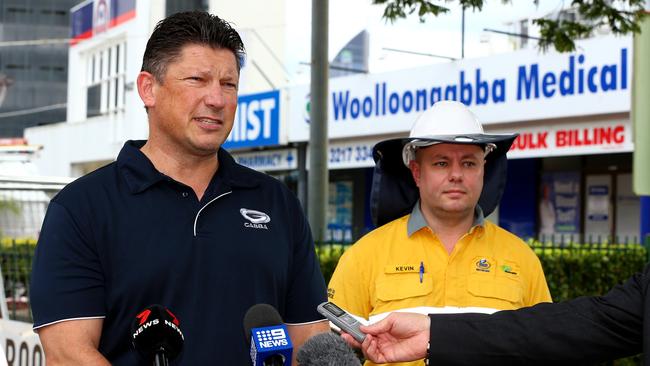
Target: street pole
[(317, 187), (641, 120)]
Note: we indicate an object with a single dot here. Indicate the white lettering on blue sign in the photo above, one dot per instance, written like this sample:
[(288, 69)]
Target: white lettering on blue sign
[(260, 161), (474, 89), (270, 160), (257, 121)]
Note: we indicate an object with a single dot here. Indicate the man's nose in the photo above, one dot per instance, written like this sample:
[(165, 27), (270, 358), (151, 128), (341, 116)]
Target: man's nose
[(456, 172), (215, 97)]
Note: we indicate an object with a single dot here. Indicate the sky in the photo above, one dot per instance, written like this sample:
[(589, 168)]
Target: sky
[(437, 35)]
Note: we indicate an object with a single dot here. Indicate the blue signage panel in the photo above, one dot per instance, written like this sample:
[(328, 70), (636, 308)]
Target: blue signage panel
[(471, 88), (94, 16), (257, 121), (81, 21)]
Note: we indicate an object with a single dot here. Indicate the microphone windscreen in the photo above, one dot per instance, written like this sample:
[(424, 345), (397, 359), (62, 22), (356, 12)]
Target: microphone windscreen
[(260, 316), (155, 330), (267, 336), (326, 349)]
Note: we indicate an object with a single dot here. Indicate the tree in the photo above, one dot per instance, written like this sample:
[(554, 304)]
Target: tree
[(621, 16)]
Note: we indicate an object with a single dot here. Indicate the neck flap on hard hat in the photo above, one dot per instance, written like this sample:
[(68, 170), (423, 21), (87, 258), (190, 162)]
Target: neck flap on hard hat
[(394, 193)]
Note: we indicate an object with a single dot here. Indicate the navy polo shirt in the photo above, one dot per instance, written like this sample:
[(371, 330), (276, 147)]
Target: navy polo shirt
[(126, 236)]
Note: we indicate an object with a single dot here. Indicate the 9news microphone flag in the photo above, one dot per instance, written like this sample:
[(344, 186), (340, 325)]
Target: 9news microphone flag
[(267, 336)]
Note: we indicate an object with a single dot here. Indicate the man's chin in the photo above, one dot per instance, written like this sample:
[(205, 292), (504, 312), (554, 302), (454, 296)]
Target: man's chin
[(457, 208), (206, 149)]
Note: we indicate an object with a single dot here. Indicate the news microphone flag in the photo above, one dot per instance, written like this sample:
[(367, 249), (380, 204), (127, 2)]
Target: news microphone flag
[(267, 336), (267, 342), (156, 334)]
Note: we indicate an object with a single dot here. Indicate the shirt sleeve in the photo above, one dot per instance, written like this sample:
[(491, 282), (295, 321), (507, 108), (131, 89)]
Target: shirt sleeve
[(307, 286), (67, 281), (585, 330), (347, 288)]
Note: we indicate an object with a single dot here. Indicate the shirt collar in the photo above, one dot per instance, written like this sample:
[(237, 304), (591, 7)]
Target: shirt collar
[(416, 220), (140, 173)]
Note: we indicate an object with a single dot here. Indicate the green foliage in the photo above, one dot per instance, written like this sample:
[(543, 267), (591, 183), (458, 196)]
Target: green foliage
[(16, 256), (16, 259), (398, 9), (587, 270), (10, 206), (621, 16), (329, 255)]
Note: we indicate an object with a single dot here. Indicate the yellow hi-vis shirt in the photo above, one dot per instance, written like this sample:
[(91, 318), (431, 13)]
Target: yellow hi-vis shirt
[(404, 266)]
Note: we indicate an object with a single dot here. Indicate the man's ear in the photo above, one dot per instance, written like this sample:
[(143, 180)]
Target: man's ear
[(146, 83), (414, 166)]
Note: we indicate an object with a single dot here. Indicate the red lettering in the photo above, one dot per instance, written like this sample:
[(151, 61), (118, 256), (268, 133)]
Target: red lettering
[(619, 134), (561, 138), (574, 139), (541, 140), (603, 135), (520, 142), (515, 143), (529, 141), (587, 136)]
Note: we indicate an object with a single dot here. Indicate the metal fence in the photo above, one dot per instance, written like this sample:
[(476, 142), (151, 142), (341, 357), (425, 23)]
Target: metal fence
[(592, 239), (23, 202), (16, 263)]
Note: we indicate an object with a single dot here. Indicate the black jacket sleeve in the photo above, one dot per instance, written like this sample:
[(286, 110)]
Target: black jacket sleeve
[(582, 331)]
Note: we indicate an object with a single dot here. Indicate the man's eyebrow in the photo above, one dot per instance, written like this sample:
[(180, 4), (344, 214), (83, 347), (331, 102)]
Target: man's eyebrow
[(471, 155), (464, 156), (440, 156)]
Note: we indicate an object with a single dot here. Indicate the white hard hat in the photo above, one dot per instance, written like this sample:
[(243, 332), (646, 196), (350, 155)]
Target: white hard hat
[(446, 122)]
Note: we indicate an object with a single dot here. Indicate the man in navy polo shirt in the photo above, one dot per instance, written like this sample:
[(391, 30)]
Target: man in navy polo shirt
[(175, 221)]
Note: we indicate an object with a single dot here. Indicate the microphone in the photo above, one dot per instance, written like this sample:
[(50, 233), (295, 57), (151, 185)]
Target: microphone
[(267, 336), (326, 349), (156, 335)]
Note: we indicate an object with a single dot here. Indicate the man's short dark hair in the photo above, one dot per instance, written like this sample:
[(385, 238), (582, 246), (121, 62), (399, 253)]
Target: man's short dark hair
[(191, 27)]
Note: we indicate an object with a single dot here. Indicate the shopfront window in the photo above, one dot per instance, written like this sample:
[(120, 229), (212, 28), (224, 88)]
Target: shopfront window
[(559, 207)]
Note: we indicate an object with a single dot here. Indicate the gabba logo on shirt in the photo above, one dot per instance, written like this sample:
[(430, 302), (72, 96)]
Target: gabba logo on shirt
[(257, 219), (483, 265)]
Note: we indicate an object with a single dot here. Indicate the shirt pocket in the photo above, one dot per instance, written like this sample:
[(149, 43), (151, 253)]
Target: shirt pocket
[(503, 289), (495, 284), (403, 286)]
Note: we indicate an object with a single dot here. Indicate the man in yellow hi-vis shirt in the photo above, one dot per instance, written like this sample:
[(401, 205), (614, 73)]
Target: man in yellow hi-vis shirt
[(443, 257)]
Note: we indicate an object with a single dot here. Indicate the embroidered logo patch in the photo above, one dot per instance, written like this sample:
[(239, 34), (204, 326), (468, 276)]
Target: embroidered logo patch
[(507, 269), (257, 219), (483, 265)]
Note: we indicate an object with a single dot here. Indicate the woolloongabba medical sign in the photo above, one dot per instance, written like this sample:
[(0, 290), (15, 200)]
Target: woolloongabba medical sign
[(520, 86)]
